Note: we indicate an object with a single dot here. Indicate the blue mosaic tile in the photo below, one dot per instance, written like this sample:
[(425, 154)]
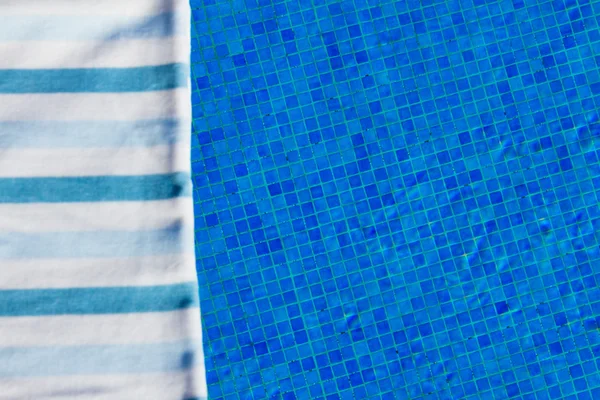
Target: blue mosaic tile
[(398, 199)]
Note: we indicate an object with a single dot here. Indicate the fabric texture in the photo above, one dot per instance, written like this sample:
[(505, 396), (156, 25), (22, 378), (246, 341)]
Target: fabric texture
[(98, 290)]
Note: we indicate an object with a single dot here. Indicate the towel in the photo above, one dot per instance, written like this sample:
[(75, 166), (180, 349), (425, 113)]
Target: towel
[(98, 291)]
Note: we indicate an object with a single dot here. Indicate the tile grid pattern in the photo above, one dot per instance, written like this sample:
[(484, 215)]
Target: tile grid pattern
[(398, 199)]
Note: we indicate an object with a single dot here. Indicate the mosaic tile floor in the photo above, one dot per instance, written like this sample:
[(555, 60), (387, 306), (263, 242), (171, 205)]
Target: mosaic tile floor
[(398, 199)]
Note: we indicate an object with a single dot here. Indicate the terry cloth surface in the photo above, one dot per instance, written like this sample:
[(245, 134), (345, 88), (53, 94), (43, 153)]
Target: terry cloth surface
[(98, 291)]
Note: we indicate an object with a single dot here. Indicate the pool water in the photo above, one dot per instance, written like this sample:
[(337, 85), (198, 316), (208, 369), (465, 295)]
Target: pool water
[(398, 199)]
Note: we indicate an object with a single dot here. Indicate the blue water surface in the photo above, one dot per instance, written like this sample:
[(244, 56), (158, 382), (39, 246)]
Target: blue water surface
[(398, 199)]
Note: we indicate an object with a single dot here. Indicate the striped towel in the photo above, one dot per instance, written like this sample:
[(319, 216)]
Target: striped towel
[(98, 292)]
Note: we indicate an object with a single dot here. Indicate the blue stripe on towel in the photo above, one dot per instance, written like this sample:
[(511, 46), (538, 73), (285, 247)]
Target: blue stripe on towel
[(84, 134), (94, 188), (99, 359), (93, 80), (97, 300), (85, 27), (94, 244)]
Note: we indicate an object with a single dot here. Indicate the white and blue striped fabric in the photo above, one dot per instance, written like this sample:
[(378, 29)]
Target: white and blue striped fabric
[(98, 291)]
